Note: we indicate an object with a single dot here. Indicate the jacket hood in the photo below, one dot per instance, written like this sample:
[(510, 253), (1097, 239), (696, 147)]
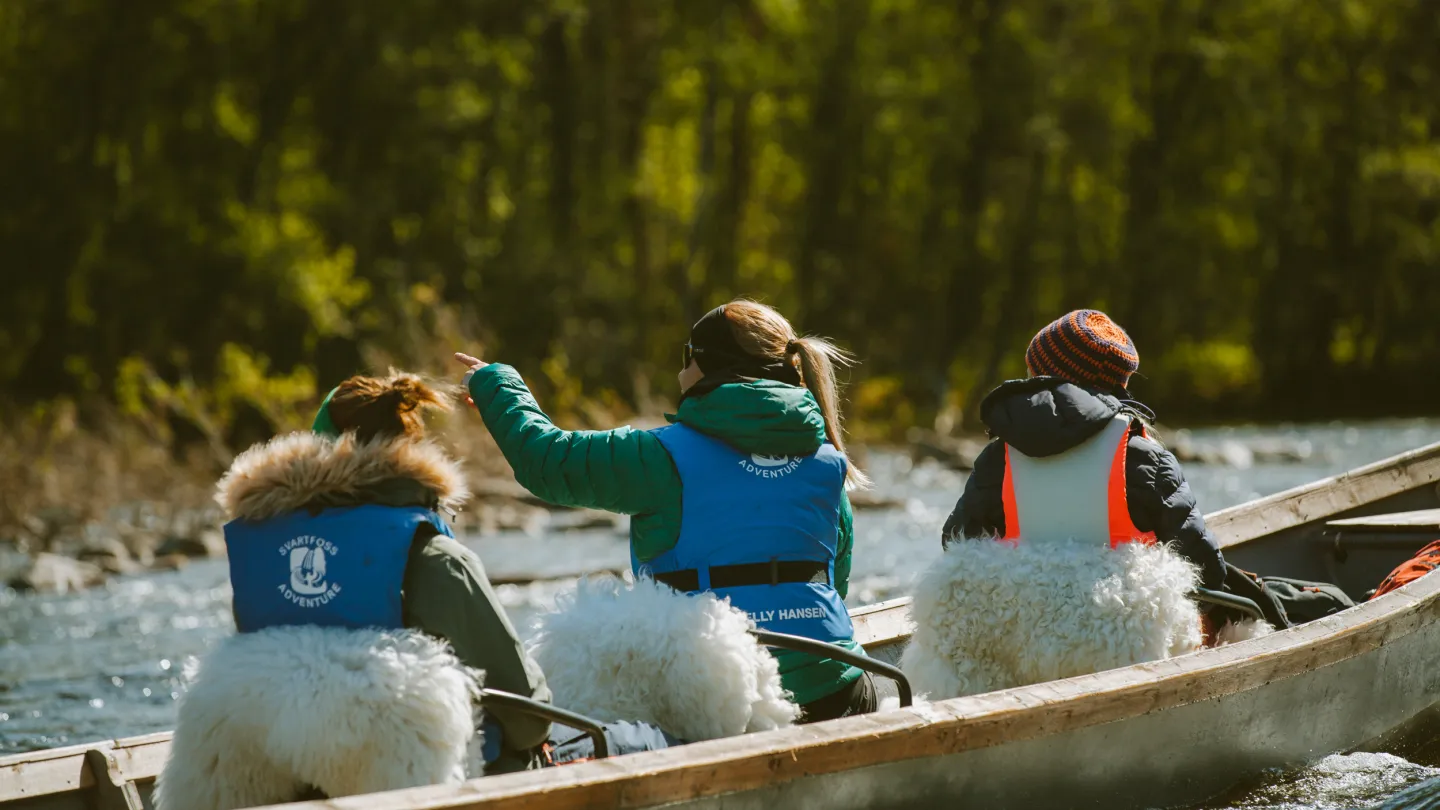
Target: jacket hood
[(757, 417), (300, 470), (1045, 416)]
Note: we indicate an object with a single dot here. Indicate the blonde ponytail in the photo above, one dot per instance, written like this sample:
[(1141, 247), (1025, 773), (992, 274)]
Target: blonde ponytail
[(762, 331)]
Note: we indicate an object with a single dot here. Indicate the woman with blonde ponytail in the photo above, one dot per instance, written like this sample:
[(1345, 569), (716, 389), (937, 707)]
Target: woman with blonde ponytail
[(743, 494)]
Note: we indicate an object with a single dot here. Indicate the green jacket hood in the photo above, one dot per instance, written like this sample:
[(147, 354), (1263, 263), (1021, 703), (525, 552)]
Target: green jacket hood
[(757, 417)]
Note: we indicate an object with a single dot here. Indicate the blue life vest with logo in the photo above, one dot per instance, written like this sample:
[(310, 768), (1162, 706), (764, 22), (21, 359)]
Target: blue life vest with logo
[(342, 567), (739, 509)]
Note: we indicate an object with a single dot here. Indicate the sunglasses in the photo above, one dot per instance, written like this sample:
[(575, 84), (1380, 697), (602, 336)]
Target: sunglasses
[(688, 355)]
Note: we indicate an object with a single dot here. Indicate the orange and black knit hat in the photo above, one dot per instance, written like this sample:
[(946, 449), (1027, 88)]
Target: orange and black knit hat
[(1084, 347)]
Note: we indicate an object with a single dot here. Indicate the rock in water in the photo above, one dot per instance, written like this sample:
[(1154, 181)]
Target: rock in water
[(110, 554), (52, 573), (955, 453), (205, 543)]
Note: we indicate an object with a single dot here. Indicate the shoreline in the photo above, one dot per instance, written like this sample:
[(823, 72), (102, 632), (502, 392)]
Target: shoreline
[(60, 549)]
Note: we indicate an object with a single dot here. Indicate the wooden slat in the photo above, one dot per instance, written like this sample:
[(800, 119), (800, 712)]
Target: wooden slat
[(1419, 520), (112, 791), (64, 770), (42, 773), (1330, 496), (757, 761), (142, 758), (883, 622)]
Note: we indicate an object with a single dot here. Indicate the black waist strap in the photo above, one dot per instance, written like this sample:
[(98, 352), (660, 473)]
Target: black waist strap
[(766, 573)]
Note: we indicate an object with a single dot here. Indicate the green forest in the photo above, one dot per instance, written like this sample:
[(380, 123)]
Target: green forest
[(212, 210)]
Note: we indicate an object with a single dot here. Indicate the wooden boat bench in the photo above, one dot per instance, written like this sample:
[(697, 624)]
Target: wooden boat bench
[(1376, 534)]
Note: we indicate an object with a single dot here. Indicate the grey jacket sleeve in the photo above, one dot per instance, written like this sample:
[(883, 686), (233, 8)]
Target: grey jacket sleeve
[(980, 512), (1161, 502), (447, 595)]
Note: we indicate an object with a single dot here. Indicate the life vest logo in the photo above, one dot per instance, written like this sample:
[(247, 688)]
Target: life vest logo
[(767, 466), (307, 557)]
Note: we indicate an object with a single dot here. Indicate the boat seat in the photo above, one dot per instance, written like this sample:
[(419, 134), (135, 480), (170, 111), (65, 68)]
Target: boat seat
[(270, 715), (992, 615), (687, 664)]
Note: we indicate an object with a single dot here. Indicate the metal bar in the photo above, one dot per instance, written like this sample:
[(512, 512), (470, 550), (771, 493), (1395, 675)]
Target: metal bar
[(514, 702), (785, 641), (1230, 600)]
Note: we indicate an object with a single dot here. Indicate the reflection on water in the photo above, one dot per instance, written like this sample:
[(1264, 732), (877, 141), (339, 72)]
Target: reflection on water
[(106, 663)]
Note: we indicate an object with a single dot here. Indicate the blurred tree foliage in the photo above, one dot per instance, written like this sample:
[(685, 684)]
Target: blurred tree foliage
[(217, 203)]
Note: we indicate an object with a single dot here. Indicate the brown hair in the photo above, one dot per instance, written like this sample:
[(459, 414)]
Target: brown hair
[(384, 408), (762, 331)]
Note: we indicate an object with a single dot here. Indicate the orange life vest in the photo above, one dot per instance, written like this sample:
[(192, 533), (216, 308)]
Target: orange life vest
[(1427, 560), (1078, 493)]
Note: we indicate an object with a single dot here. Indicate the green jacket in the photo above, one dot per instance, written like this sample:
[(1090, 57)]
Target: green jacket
[(630, 472)]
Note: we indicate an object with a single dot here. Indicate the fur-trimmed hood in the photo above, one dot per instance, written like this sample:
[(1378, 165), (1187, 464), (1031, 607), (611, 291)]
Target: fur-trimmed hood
[(305, 469)]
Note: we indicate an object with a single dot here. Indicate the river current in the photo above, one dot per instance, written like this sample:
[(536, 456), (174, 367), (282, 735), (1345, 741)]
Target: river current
[(106, 663)]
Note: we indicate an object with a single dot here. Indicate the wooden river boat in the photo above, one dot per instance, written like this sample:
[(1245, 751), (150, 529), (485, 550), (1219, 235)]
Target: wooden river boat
[(1160, 733)]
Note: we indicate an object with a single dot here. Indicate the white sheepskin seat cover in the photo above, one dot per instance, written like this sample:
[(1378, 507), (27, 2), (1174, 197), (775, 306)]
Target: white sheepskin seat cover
[(270, 713), (649, 653), (1244, 630), (990, 615)]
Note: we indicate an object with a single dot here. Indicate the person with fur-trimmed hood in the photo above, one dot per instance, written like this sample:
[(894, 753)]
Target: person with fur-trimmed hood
[(742, 495), (354, 504), (1080, 366)]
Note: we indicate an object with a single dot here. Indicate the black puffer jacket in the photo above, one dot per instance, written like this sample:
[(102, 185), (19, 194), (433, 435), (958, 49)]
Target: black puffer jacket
[(1045, 416)]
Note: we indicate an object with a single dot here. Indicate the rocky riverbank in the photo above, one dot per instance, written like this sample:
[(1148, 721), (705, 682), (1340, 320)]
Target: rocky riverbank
[(58, 551)]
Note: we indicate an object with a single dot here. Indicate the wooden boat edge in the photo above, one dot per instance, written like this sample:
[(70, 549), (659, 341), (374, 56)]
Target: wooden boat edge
[(1325, 497)]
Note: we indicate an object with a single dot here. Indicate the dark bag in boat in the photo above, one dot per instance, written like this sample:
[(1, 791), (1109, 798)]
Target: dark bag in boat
[(1306, 601), (1240, 582)]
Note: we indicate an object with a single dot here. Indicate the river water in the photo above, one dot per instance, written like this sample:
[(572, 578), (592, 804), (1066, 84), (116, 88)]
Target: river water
[(106, 663)]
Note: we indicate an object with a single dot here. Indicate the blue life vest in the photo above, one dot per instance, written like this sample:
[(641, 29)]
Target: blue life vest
[(739, 509), (343, 567)]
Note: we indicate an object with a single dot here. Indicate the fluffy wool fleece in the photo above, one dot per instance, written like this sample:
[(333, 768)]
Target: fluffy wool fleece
[(347, 711), (992, 615), (296, 469), (684, 663)]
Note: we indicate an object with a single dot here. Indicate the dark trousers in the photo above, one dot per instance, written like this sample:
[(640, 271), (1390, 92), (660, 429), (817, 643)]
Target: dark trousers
[(857, 698)]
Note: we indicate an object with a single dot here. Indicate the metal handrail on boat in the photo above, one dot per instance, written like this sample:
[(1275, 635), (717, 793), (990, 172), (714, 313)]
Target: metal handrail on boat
[(509, 700), (1230, 600), (785, 641)]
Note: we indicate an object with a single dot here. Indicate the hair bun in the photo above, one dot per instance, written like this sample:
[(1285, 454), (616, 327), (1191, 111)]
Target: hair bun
[(406, 392)]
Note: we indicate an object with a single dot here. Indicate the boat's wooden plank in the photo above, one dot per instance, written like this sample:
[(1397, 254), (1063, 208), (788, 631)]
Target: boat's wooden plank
[(1420, 520), (757, 761), (1327, 497), (112, 790), (882, 622), (142, 758), (65, 770), (45, 772)]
